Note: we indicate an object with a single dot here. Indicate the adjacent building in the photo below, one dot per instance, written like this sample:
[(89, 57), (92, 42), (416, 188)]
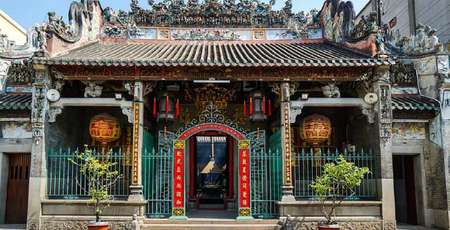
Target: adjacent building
[(12, 30), (229, 110), (403, 16), (16, 76)]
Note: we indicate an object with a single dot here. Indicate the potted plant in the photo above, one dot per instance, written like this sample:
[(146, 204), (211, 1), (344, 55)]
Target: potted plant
[(99, 176), (337, 180)]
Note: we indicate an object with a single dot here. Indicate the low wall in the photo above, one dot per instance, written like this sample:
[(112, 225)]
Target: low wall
[(347, 208), (350, 215), (82, 208), (81, 222)]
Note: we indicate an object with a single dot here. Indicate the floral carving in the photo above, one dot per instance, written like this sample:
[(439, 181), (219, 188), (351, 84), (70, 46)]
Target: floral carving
[(82, 225), (205, 34)]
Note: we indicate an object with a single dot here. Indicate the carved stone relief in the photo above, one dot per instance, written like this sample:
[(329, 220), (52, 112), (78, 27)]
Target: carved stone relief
[(92, 90), (303, 225), (128, 111), (53, 112), (82, 225), (331, 91), (4, 66), (385, 113)]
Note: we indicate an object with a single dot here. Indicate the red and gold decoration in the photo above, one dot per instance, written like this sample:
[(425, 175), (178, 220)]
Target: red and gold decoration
[(316, 129), (166, 107), (202, 96), (136, 123), (104, 128), (178, 179), (179, 210), (257, 107), (244, 178), (287, 144)]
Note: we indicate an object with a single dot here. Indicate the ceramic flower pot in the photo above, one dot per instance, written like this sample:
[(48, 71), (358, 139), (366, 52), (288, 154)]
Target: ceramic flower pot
[(329, 227), (98, 226)]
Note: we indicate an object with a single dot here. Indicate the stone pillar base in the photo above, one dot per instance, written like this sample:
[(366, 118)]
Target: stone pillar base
[(136, 193), (288, 194)]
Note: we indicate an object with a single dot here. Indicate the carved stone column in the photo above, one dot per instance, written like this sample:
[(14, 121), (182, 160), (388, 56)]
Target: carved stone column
[(288, 188), (384, 147), (38, 171), (136, 189), (4, 67)]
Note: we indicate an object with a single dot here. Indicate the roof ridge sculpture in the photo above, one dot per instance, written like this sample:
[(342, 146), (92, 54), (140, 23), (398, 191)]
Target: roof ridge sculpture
[(425, 41), (213, 13)]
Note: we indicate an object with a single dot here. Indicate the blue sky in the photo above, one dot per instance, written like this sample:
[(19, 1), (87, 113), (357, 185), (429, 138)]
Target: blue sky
[(29, 12)]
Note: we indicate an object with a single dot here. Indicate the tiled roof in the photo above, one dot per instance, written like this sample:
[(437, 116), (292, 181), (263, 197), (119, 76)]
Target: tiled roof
[(15, 102), (405, 102), (214, 53)]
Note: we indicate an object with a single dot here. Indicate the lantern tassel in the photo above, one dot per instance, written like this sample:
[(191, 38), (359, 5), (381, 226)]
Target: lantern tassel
[(251, 106), (270, 108), (177, 109), (154, 108), (245, 108), (264, 105)]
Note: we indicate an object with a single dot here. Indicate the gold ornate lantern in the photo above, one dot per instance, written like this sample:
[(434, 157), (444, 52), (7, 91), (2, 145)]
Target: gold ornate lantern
[(316, 129), (104, 128)]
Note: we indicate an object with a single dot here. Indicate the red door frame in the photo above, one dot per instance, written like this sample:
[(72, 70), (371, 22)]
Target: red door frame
[(231, 144), (178, 185)]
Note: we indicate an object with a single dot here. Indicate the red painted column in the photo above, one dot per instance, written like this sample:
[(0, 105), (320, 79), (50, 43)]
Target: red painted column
[(244, 180), (178, 208)]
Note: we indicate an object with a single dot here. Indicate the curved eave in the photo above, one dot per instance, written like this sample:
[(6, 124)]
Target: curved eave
[(413, 103), (160, 63)]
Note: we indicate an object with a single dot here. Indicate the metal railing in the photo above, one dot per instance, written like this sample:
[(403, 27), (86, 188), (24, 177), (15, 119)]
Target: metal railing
[(65, 181), (157, 181), (308, 164), (266, 180)]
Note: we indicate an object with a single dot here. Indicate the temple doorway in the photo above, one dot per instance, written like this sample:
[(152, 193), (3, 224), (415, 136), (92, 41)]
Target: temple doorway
[(17, 189), (405, 189), (211, 166)]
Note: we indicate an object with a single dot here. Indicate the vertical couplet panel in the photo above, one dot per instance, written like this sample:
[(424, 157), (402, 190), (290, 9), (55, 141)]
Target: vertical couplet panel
[(178, 180), (244, 179)]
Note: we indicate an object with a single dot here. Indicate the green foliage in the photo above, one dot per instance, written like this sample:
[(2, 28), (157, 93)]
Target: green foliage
[(337, 180), (100, 177)]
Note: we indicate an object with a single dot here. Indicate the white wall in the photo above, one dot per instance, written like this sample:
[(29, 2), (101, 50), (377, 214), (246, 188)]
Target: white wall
[(399, 9), (12, 29)]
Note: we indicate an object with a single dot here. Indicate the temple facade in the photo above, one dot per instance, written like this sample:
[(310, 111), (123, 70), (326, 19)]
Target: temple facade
[(224, 109)]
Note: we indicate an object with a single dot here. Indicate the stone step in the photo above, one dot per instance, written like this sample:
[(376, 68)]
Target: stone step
[(211, 221), (207, 224)]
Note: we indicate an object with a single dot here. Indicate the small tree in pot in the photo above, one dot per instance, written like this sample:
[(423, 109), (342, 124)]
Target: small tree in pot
[(99, 176), (337, 180)]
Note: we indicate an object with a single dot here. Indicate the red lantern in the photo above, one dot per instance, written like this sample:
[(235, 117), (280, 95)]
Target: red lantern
[(251, 106), (177, 109), (104, 128), (155, 111), (316, 129)]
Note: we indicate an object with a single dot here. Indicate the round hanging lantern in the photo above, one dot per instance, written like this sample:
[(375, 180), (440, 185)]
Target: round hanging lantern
[(316, 129), (104, 128)]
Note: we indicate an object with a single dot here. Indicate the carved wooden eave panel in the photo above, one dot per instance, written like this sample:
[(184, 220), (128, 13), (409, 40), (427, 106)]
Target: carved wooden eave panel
[(235, 74)]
